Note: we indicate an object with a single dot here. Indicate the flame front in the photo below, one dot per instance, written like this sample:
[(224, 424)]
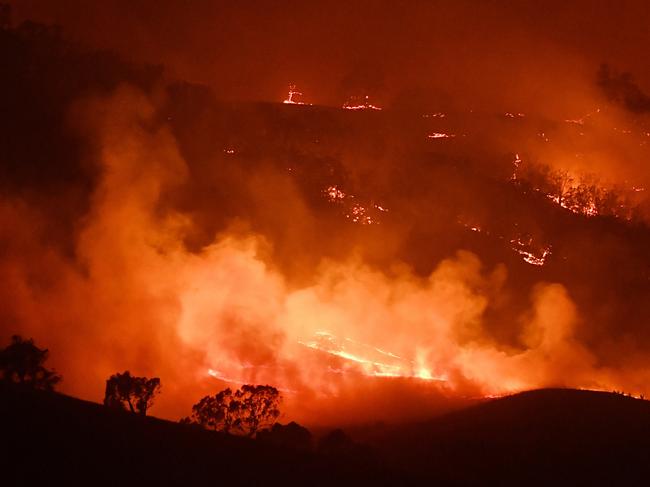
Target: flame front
[(233, 309)]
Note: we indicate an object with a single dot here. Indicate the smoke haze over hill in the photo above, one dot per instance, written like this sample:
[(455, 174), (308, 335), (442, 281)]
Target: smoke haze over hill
[(347, 258)]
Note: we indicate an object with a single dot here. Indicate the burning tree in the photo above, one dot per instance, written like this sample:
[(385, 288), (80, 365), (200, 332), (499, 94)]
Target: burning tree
[(21, 362), (243, 411), (292, 97), (582, 194), (136, 392)]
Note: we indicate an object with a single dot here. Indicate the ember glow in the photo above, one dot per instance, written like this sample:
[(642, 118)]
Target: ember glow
[(293, 96), (483, 231), (235, 317), (334, 194), (356, 212), (523, 247), (360, 103), (440, 135), (372, 361)]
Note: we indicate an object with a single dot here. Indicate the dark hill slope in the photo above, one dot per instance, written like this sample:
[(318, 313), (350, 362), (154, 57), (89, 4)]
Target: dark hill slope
[(52, 439), (543, 437), (547, 437)]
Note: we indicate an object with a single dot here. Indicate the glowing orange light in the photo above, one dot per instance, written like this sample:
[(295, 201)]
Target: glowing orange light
[(353, 103), (524, 248), (440, 135), (292, 96)]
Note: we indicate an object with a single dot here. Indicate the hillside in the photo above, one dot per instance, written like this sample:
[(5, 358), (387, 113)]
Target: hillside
[(370, 264), (55, 439), (544, 437)]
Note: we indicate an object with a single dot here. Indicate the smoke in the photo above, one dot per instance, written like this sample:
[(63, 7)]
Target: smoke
[(442, 56), (621, 89), (498, 56), (345, 340)]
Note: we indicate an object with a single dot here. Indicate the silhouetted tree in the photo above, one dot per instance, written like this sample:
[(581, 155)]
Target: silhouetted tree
[(137, 393), (260, 406), (335, 442), (291, 435), (21, 362), (244, 411), (338, 444), (218, 412)]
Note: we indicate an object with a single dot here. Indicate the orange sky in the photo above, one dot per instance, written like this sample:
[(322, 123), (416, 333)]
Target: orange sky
[(470, 53)]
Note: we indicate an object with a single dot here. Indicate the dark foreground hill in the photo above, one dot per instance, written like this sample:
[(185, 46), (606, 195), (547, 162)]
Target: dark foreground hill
[(547, 437), (543, 437), (52, 439)]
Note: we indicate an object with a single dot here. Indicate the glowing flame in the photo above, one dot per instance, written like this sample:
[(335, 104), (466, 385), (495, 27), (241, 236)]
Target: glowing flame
[(370, 360), (220, 376), (229, 304), (354, 210), (358, 215), (516, 163), (440, 135), (353, 103), (334, 194), (588, 209), (581, 194), (523, 248), (291, 98), (581, 121)]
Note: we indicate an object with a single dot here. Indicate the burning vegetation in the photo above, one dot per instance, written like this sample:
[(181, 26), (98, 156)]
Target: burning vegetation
[(360, 103), (432, 254), (293, 96)]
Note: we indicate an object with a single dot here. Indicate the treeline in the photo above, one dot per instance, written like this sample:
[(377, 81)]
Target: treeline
[(582, 194), (251, 411)]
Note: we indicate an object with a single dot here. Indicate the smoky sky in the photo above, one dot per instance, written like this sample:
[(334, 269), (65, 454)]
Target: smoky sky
[(465, 53), (201, 241), (621, 88)]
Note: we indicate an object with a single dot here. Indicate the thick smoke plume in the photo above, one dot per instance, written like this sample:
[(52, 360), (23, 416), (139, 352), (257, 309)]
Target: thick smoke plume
[(130, 295), (380, 265)]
